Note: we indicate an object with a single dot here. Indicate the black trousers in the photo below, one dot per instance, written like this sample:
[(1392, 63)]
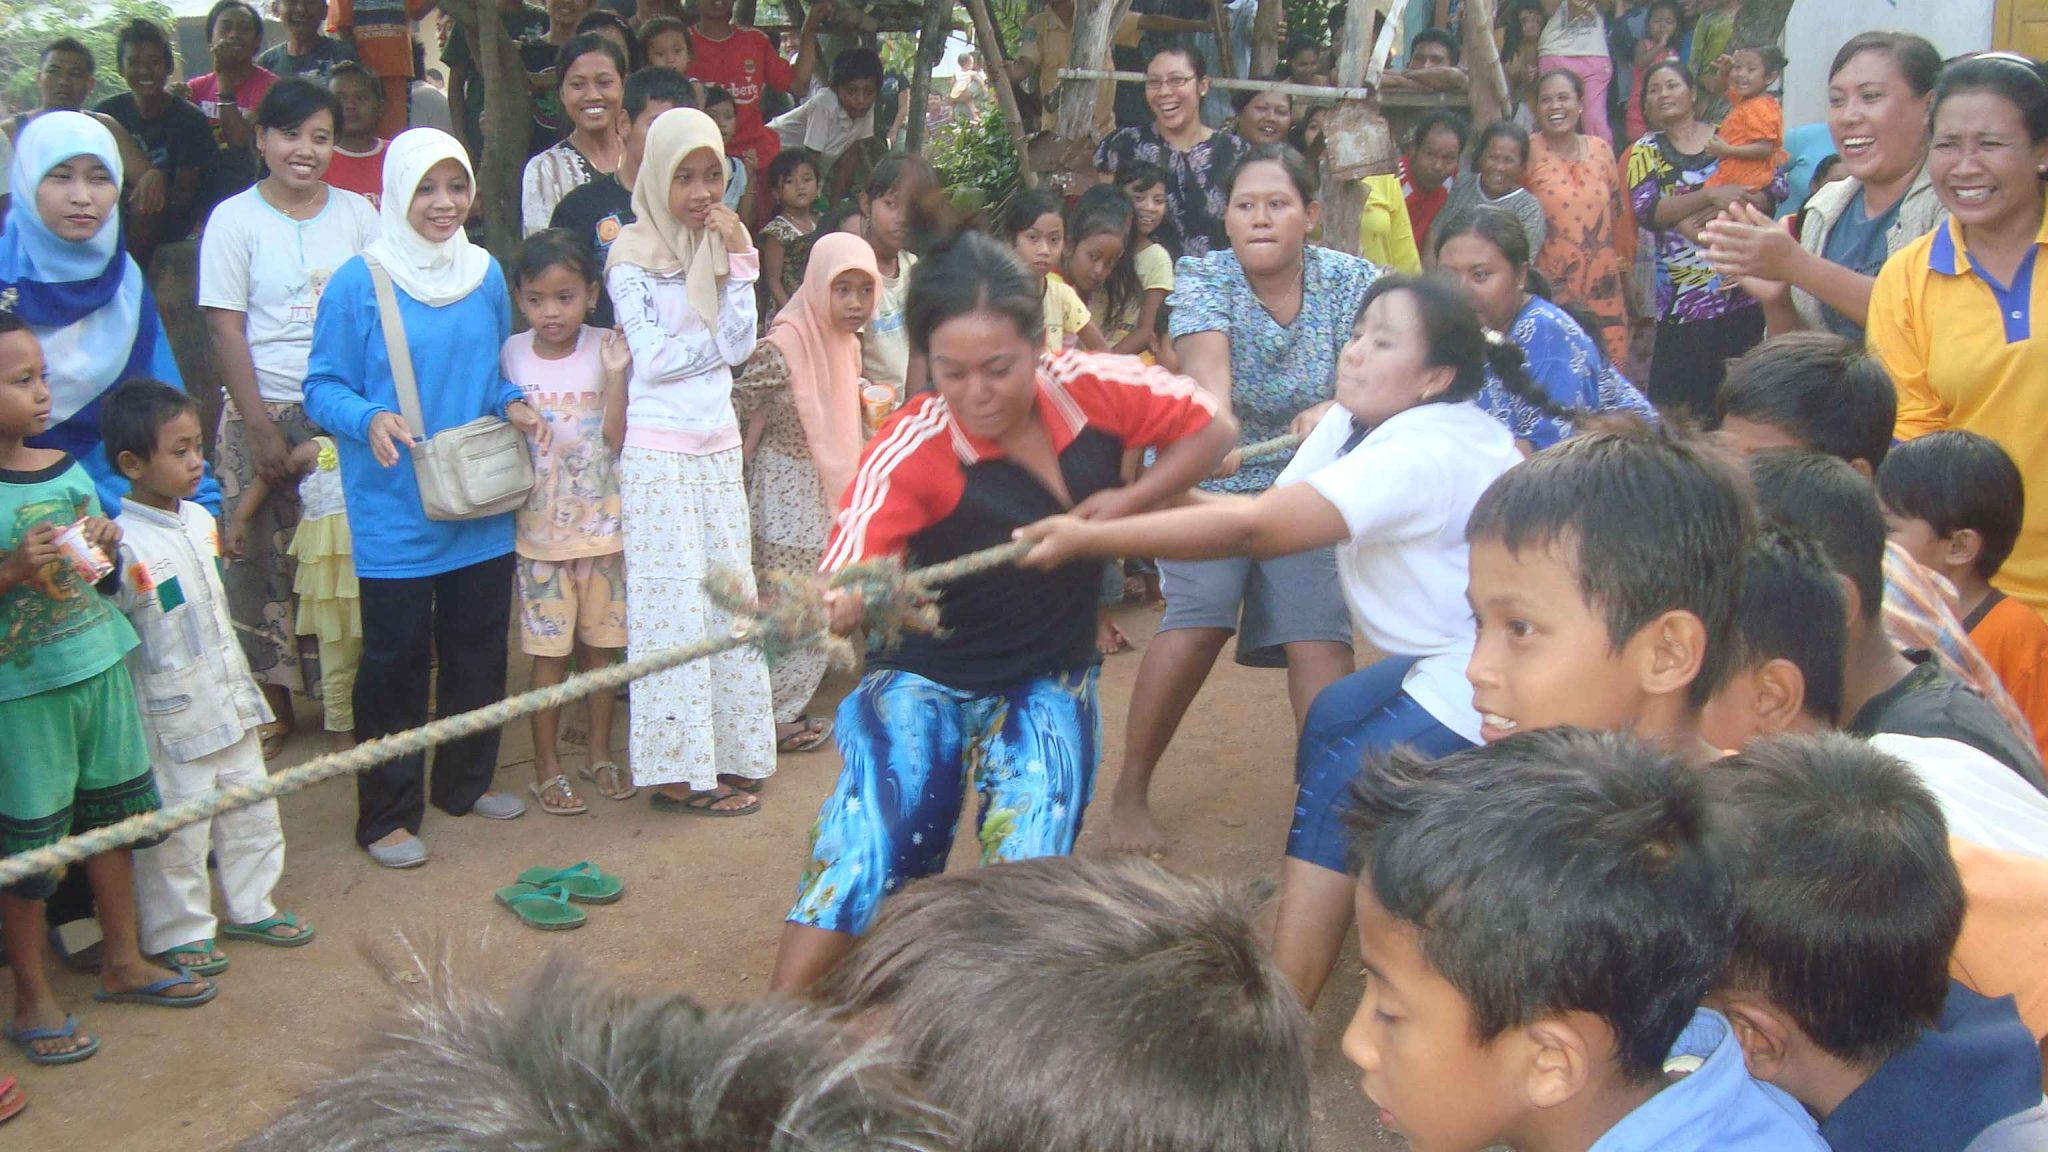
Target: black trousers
[(1691, 359), (466, 613)]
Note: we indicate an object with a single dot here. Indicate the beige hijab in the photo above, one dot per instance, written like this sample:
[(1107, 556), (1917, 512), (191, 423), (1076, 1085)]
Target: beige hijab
[(656, 240), (824, 363)]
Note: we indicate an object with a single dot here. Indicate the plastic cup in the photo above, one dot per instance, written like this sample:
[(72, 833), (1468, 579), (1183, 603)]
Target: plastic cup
[(877, 401), (84, 557)]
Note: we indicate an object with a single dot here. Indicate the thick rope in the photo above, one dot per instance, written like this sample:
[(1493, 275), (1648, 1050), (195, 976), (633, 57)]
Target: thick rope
[(795, 618), (791, 615)]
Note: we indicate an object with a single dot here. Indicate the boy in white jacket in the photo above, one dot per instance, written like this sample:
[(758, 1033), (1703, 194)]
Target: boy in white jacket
[(200, 705)]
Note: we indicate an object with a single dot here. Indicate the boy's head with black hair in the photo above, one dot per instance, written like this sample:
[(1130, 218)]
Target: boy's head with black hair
[(1809, 390), (1436, 148), (1068, 1004), (64, 75), (1847, 908), (1605, 574), (857, 80), (151, 433), (1823, 498), (1433, 48), (143, 53), (573, 1065), (1792, 641), (1954, 501), (1595, 856)]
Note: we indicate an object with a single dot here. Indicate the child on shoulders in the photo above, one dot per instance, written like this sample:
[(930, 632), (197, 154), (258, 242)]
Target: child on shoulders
[(1596, 855), (569, 537), (201, 707), (1847, 910)]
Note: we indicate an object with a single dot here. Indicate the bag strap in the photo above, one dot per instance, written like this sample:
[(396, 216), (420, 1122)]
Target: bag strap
[(395, 348)]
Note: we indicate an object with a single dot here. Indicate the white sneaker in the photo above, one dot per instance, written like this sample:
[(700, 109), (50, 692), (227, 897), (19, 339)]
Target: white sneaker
[(499, 806), (410, 852)]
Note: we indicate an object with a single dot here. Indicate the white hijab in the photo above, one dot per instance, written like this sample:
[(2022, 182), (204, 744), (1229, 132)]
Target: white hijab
[(436, 275)]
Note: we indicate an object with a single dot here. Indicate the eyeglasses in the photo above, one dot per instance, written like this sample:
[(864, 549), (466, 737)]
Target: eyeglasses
[(1163, 83)]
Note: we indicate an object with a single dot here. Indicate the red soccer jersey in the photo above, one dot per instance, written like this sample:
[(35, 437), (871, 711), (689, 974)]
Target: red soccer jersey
[(361, 173), (928, 491), (743, 64)]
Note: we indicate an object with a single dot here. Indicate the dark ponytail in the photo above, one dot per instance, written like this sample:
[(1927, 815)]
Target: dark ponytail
[(1505, 360)]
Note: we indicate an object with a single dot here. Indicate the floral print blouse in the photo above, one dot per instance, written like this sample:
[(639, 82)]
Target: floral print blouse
[(1276, 370), (1195, 196)]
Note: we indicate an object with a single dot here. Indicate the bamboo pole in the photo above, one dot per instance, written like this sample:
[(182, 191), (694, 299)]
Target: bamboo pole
[(1344, 200), (1266, 38), (1490, 97), (991, 48)]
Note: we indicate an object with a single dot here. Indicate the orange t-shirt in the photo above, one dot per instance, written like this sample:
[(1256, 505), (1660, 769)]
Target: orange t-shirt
[(2014, 640), (2004, 947), (1757, 120), (382, 31)]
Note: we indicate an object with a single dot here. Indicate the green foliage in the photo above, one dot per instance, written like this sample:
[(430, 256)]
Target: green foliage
[(975, 155), (27, 25), (1311, 16)]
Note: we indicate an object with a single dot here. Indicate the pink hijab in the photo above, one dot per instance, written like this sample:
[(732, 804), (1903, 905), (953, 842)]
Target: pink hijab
[(824, 363)]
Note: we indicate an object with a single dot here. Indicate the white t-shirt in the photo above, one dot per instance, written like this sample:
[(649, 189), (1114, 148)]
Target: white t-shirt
[(256, 260), (1405, 492), (822, 125), (1567, 33), (1982, 800)]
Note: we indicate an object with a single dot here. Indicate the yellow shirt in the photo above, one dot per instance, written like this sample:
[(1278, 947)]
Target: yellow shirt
[(1385, 236), (1962, 352), (1048, 46), (1065, 312)]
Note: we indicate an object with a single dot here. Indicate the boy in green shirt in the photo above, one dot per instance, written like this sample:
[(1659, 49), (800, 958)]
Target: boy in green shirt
[(76, 759)]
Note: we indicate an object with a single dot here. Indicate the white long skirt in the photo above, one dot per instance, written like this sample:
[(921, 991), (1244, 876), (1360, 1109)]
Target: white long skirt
[(685, 515)]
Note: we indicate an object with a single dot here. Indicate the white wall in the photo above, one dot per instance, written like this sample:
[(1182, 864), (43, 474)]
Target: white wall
[(1816, 28)]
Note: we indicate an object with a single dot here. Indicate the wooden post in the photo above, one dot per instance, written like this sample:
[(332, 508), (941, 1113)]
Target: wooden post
[(1344, 200), (931, 45), (1266, 38), (1490, 100), (990, 46), (1095, 23), (1226, 59)]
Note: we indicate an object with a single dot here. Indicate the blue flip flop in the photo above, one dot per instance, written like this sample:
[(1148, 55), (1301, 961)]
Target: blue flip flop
[(25, 1039), (153, 993)]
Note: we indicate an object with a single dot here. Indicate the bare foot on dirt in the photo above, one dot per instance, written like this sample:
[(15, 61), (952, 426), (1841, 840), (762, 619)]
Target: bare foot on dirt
[(1132, 833)]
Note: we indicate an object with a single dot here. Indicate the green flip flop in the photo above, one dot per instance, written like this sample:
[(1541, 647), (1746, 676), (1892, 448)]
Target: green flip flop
[(582, 882), (260, 932), (544, 908)]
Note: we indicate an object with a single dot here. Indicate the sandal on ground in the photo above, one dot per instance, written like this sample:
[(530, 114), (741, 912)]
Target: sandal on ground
[(809, 738), (556, 798), (546, 909), (703, 803), (12, 1099), (210, 961), (26, 1039), (613, 782), (155, 992), (273, 735), (584, 883), (264, 932)]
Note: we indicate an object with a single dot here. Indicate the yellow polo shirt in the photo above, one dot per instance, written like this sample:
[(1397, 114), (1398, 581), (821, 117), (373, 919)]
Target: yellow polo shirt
[(1963, 352), (1384, 235)]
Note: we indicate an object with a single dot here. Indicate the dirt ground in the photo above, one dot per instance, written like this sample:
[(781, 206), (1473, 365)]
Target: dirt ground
[(704, 903)]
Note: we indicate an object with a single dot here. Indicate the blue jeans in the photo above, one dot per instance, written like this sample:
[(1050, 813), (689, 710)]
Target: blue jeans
[(913, 750), (1364, 713)]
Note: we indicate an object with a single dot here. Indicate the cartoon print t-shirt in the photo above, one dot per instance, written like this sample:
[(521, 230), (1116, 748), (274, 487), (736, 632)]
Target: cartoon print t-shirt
[(55, 630)]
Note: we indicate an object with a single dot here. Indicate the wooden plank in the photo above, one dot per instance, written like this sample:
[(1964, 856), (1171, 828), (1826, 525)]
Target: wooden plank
[(931, 45), (1310, 91), (1344, 200)]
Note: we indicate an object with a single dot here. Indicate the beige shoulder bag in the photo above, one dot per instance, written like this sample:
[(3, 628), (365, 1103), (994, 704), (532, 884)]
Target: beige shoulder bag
[(467, 472)]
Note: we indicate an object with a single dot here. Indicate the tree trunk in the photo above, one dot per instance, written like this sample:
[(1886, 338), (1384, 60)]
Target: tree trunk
[(1266, 38), (1094, 22), (1761, 22), (990, 46), (506, 102), (1489, 92), (931, 46)]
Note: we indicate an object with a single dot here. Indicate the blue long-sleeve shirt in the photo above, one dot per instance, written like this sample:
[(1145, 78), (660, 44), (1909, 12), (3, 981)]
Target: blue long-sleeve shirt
[(348, 381)]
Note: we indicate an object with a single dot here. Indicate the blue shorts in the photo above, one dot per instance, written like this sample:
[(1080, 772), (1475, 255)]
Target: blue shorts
[(1363, 713), (914, 749)]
